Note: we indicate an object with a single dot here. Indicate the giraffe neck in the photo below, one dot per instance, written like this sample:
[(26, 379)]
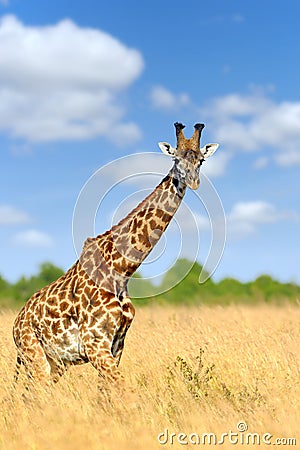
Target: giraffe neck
[(125, 246)]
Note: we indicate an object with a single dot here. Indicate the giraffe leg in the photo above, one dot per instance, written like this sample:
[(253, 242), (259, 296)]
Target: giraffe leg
[(18, 367), (100, 356), (118, 346), (118, 343), (57, 369), (127, 317), (32, 356)]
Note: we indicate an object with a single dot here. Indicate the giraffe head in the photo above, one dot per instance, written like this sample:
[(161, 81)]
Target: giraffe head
[(188, 155)]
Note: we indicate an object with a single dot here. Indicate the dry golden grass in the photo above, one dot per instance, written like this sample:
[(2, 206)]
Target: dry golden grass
[(193, 370)]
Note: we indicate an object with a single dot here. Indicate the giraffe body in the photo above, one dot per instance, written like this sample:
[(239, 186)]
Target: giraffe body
[(85, 314), (70, 323)]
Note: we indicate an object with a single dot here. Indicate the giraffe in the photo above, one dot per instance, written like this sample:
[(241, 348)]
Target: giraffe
[(84, 315)]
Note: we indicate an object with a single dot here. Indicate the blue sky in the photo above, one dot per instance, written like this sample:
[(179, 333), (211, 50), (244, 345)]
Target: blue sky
[(86, 83)]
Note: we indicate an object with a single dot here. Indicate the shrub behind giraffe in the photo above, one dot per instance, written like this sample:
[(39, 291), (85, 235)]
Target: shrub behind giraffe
[(263, 289), (14, 295)]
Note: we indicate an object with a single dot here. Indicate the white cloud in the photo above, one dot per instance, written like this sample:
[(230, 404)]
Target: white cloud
[(246, 217), (189, 221), (254, 212), (61, 82), (261, 163), (141, 169), (288, 158), (9, 215), (162, 98), (254, 122), (236, 105), (251, 123), (33, 238), (216, 166)]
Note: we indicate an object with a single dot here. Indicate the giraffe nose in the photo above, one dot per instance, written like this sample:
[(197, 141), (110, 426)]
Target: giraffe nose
[(193, 183)]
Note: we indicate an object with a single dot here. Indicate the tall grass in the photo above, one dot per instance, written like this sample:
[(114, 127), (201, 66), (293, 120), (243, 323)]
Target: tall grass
[(188, 370)]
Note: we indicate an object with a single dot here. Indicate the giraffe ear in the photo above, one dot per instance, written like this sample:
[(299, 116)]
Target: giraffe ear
[(167, 149), (208, 149)]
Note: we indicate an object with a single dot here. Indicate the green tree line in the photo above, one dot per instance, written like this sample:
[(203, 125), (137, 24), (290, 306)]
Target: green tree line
[(226, 291), (186, 290)]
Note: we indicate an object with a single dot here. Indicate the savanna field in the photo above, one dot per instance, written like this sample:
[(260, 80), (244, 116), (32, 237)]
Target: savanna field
[(188, 370)]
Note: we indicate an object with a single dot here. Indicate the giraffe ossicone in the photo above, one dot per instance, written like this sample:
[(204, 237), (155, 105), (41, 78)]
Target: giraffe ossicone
[(85, 314)]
